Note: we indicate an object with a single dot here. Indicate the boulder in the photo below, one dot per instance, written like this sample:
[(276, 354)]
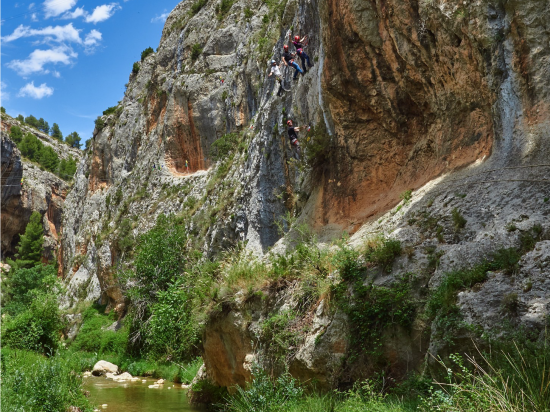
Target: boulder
[(103, 367)]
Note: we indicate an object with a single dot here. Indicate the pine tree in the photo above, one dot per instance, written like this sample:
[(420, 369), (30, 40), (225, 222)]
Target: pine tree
[(56, 133), (21, 118), (16, 134), (31, 121), (31, 243), (43, 126), (73, 140), (49, 159), (31, 147)]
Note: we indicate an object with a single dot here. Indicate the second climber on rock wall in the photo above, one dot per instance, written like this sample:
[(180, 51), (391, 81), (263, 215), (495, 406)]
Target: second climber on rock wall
[(293, 137), (288, 59), (276, 71)]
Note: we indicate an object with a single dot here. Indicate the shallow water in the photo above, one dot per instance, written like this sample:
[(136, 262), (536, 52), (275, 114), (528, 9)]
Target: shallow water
[(137, 396)]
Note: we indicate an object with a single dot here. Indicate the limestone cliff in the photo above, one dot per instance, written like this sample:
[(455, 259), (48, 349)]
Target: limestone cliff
[(448, 98), (27, 187)]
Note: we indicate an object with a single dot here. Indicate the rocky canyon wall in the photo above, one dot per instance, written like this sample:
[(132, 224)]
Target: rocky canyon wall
[(448, 98), (26, 188)]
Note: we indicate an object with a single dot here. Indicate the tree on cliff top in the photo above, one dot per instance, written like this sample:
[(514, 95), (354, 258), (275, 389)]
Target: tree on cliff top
[(56, 133), (73, 140), (31, 243)]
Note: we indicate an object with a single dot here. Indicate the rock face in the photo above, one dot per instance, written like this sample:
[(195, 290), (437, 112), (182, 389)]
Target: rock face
[(449, 98), (40, 191)]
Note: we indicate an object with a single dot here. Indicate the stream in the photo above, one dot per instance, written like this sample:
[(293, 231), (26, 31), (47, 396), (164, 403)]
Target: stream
[(137, 396)]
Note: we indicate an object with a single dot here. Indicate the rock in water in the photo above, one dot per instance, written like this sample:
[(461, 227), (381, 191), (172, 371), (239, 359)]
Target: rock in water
[(103, 367)]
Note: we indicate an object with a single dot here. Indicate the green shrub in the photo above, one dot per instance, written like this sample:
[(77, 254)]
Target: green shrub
[(99, 123), (223, 8), (406, 196), (248, 13), (110, 110), (197, 6), (224, 145), (16, 134), (443, 298), (93, 336), (458, 219), (67, 168), (166, 282), (19, 288), (196, 51), (31, 147), (135, 68), (318, 148), (49, 159), (38, 328), (146, 52), (33, 383), (171, 331), (383, 252)]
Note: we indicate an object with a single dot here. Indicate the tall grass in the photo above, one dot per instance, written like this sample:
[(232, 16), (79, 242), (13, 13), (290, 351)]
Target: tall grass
[(515, 381)]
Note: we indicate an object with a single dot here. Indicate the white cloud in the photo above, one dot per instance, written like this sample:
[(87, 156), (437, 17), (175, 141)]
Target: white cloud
[(3, 94), (34, 17), (39, 92), (39, 58), (31, 6), (102, 13), (54, 8), (57, 33), (56, 74), (78, 12), (161, 18), (91, 41)]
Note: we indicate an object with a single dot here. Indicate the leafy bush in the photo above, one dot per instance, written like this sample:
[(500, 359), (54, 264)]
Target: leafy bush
[(383, 252), (31, 147), (148, 51), (171, 331), (16, 134), (18, 289), (223, 8), (135, 68), (248, 13), (33, 383), (110, 110), (196, 51), (67, 168), (167, 279), (458, 219), (38, 328), (197, 6), (49, 159), (406, 196), (224, 145), (99, 123), (318, 149)]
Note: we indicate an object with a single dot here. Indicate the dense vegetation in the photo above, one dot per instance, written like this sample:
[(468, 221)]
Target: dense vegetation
[(172, 286), (33, 149), (72, 139)]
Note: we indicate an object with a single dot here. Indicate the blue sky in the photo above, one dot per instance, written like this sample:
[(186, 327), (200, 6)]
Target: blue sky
[(68, 60)]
